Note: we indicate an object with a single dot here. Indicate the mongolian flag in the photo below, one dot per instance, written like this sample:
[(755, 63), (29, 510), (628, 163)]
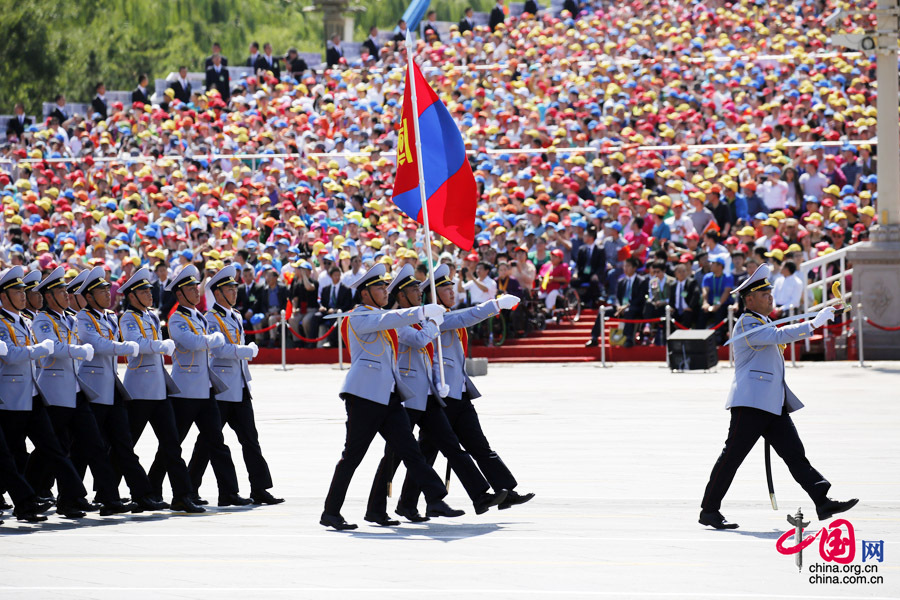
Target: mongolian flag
[(449, 184)]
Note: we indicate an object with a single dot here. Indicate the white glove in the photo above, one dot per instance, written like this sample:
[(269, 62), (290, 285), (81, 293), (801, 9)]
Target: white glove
[(430, 311), (3, 349), (158, 346), (254, 347), (215, 340), (443, 390), (507, 302), (48, 346), (88, 352), (438, 319), (168, 347), (823, 316), (133, 348)]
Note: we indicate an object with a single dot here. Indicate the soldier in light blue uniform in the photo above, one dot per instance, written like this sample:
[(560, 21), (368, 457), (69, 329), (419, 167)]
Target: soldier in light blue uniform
[(461, 391), (373, 392), (76, 302), (229, 363), (99, 327), (22, 412), (148, 384), (68, 396), (415, 360), (194, 402), (761, 402), (34, 299)]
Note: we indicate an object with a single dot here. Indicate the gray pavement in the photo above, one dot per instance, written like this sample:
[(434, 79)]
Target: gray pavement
[(618, 458)]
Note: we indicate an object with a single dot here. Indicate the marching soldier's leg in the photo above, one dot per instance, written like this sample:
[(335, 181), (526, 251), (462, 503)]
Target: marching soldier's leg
[(14, 425), (468, 429), (199, 461), (747, 425), (121, 447), (396, 431), (242, 421), (38, 470), (438, 430), (386, 468), (363, 420), (184, 412), (409, 494), (783, 436), (163, 422), (90, 448), (71, 501), (210, 425), (22, 494)]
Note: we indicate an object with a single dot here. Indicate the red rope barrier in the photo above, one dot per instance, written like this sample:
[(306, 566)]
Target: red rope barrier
[(680, 326), (836, 326), (617, 320), (311, 341), (254, 332), (881, 327)]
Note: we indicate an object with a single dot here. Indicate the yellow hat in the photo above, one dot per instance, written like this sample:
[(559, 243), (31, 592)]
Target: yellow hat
[(776, 254)]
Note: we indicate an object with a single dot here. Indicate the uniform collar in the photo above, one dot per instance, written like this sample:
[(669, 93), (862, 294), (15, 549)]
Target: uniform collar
[(221, 309), (186, 311)]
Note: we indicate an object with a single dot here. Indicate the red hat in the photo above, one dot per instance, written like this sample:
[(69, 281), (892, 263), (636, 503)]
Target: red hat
[(557, 253)]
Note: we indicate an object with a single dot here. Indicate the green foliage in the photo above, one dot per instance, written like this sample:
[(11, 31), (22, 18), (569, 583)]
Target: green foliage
[(52, 46)]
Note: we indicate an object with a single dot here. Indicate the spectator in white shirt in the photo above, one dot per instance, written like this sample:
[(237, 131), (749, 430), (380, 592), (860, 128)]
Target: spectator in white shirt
[(482, 288), (679, 224), (788, 290), (773, 191)]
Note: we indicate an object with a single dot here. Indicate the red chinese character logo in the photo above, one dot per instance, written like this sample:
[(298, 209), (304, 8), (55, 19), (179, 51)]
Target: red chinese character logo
[(834, 545)]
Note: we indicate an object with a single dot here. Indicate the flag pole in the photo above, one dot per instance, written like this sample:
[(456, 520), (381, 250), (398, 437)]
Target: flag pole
[(428, 245)]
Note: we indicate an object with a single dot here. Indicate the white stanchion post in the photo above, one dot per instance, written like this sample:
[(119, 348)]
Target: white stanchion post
[(730, 329), (340, 345), (860, 320), (793, 345), (283, 325), (668, 333), (603, 336)]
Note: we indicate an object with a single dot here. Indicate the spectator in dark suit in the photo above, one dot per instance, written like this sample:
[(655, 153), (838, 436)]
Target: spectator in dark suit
[(61, 112), (498, 15), (217, 77), (684, 296), (466, 23), (572, 7), (717, 286), (531, 7), (295, 65), (19, 122), (631, 294), (334, 297), (371, 43), (305, 300), (659, 291), (98, 104), (254, 54), (400, 36), (268, 61), (181, 86), (216, 49), (429, 29), (333, 52), (590, 268), (248, 296), (273, 299), (139, 94)]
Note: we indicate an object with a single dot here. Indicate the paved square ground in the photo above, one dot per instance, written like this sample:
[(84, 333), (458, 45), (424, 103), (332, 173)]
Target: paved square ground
[(618, 458)]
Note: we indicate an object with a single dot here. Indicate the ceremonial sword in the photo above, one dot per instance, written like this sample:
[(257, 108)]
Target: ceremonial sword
[(381, 312)]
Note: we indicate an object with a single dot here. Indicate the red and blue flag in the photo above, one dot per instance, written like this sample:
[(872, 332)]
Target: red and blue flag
[(450, 187)]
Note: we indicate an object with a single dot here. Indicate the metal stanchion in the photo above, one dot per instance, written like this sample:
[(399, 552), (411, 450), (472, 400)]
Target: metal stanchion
[(668, 333), (791, 312), (283, 366), (340, 346), (730, 329), (603, 336), (860, 320)]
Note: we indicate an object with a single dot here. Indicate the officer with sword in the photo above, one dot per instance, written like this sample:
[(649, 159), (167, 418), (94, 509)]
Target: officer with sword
[(761, 402)]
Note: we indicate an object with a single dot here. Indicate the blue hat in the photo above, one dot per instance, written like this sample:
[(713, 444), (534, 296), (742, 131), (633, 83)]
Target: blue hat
[(615, 225)]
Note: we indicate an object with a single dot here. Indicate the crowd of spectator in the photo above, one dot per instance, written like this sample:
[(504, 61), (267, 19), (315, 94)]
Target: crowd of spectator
[(765, 157)]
